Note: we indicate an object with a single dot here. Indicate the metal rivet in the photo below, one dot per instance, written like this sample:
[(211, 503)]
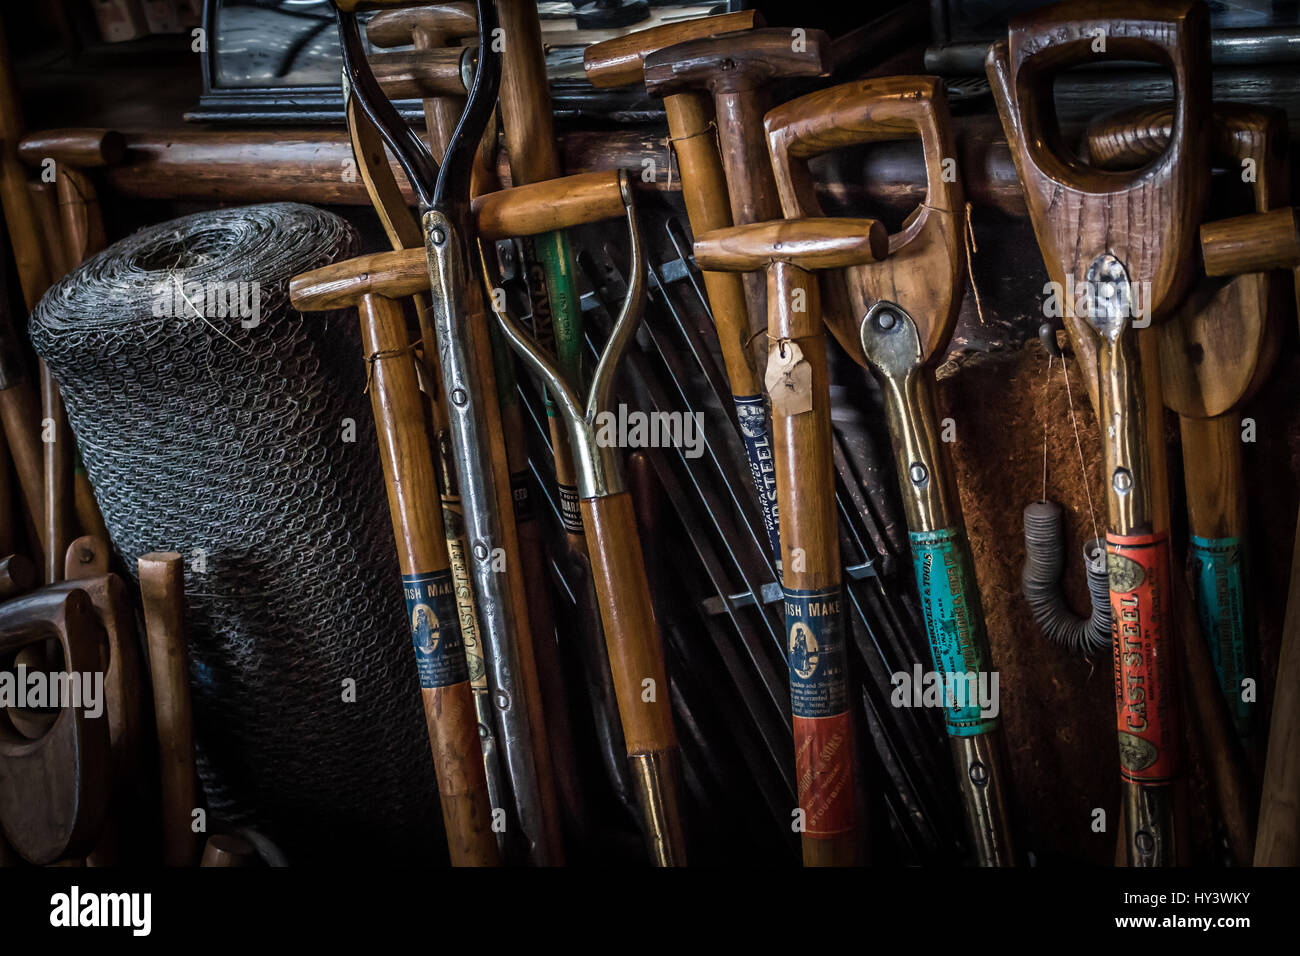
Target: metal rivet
[(1146, 843), (438, 235), (458, 397), (1122, 482), (502, 700), (979, 774), (481, 550), (885, 320), (918, 473)]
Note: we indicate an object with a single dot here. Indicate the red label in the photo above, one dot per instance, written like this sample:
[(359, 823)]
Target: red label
[(824, 768), (1146, 698)]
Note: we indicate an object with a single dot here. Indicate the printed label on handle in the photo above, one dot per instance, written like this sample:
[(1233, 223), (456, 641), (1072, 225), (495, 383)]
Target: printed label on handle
[(431, 611), (751, 413), (570, 510), (521, 494), (1221, 605), (819, 698), (1146, 699), (954, 621)]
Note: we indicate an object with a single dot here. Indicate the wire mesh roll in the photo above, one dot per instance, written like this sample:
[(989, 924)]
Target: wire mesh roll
[(215, 420)]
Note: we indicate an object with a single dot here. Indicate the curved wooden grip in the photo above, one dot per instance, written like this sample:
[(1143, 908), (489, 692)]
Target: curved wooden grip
[(866, 111), (734, 62), (439, 22), (1253, 243), (343, 284), (422, 74), (1170, 33), (83, 148), (162, 594), (808, 244), (618, 61), (636, 654)]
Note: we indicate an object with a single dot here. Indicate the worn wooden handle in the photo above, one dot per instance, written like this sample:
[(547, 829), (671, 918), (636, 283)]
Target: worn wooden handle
[(523, 211), (441, 22), (618, 61), (1170, 33), (807, 243), (352, 6), (866, 111), (552, 204), (83, 148), (1252, 243), (423, 73), (735, 62), (162, 594), (636, 656), (17, 576)]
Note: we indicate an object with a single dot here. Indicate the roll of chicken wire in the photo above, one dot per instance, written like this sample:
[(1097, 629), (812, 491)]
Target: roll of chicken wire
[(217, 421)]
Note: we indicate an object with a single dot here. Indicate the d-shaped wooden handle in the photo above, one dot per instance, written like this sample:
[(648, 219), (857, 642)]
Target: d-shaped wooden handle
[(809, 244), (927, 257), (439, 22), (523, 211), (1144, 217), (618, 61)]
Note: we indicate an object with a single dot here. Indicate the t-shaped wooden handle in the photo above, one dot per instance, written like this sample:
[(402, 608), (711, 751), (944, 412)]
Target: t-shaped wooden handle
[(809, 244), (619, 61)]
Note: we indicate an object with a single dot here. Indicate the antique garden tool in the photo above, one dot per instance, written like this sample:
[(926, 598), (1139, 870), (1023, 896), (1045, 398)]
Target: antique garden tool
[(797, 381), (618, 62), (526, 106), (374, 282), (404, 233), (54, 788), (1245, 244), (76, 221), (1125, 239), (1215, 352), (903, 310), (465, 366), (86, 569), (162, 597), (632, 636), (737, 69)]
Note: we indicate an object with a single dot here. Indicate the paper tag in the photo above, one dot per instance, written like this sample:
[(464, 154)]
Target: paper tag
[(788, 380)]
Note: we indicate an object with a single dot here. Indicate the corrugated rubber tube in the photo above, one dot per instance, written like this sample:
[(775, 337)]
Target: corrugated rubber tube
[(1040, 583)]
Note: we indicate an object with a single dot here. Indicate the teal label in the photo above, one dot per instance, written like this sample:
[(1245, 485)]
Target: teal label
[(814, 629), (953, 618), (751, 414), (431, 610), (1219, 579)]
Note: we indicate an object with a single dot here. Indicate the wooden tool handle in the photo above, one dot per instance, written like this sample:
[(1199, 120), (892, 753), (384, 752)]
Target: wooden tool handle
[(82, 148), (636, 656), (866, 111), (735, 62), (554, 204), (618, 61), (17, 576), (807, 243), (441, 22), (162, 594), (352, 6), (421, 73), (1253, 243)]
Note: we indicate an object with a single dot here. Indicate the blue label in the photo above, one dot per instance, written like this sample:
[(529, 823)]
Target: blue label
[(751, 413), (953, 619), (1221, 605), (431, 611), (814, 630)]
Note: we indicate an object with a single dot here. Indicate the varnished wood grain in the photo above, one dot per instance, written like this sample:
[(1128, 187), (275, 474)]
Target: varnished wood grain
[(810, 243), (53, 791), (419, 74), (1252, 243), (162, 594), (416, 512), (925, 269), (78, 147), (551, 204), (619, 61), (440, 21), (17, 576)]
